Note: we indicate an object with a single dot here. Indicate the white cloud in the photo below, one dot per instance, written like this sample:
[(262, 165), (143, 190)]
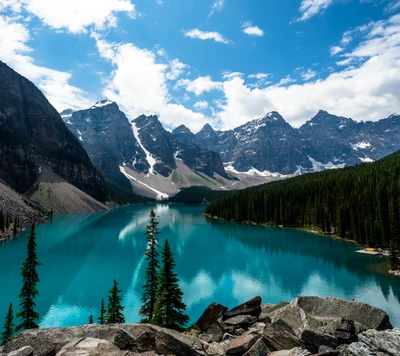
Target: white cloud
[(259, 76), (201, 35), (310, 8), (74, 15), (200, 85), (176, 68), (55, 84), (355, 91), (308, 74), (217, 6), (335, 50), (201, 105), (138, 85), (251, 30), (227, 75)]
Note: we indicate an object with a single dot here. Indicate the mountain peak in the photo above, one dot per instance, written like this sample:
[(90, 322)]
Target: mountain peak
[(181, 129), (102, 103), (272, 116), (207, 127)]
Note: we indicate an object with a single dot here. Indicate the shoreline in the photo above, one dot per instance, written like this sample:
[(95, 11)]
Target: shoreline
[(316, 232)]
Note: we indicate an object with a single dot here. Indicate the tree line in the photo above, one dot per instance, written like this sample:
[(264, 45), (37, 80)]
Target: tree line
[(360, 203), (161, 301), (9, 223)]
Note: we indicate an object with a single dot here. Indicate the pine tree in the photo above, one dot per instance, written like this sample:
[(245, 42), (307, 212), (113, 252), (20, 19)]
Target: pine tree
[(150, 288), (101, 318), (2, 226), (8, 328), (29, 291), (90, 319), (394, 256), (169, 308), (114, 308)]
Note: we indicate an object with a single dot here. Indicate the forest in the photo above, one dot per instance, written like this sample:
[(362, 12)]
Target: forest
[(359, 203)]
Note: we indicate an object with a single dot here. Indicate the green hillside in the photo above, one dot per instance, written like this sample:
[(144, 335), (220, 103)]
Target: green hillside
[(360, 203)]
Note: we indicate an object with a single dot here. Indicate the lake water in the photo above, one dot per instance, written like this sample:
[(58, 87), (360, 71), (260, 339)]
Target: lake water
[(216, 261)]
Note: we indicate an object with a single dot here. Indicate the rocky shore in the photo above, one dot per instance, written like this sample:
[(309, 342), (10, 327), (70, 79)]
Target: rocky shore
[(305, 326)]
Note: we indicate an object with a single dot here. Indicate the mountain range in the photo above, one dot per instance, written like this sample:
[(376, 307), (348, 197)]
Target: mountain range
[(99, 154), (158, 163)]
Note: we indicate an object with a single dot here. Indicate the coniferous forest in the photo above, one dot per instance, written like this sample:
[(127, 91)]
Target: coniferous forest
[(360, 203)]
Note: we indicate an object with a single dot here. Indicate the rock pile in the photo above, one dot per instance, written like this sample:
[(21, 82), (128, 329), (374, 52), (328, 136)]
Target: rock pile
[(305, 326)]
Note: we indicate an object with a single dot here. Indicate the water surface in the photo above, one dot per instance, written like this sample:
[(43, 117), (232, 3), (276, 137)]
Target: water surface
[(229, 263)]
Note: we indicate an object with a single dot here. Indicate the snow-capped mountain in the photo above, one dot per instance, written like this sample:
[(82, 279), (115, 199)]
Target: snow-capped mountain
[(270, 145), (142, 153)]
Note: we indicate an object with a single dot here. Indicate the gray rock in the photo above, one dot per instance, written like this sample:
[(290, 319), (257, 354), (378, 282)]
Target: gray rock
[(280, 340), (375, 343), (213, 333), (241, 345), (241, 320), (260, 348), (216, 349), (331, 308), (296, 351), (294, 317), (323, 348), (212, 313), (23, 351), (267, 309), (251, 307), (123, 340), (314, 339)]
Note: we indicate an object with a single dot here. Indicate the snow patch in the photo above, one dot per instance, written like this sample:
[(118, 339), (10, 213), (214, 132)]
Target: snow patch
[(341, 126), (101, 104), (160, 195), (366, 159), (80, 135), (318, 166), (361, 145), (88, 119), (252, 172), (176, 156), (150, 159)]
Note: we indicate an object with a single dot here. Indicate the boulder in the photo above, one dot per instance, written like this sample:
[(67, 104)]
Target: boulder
[(294, 318), (241, 345), (296, 351), (329, 308), (123, 340), (313, 340), (260, 348), (215, 349), (241, 321), (280, 340), (266, 309), (213, 333), (212, 313), (251, 307), (375, 343), (23, 351)]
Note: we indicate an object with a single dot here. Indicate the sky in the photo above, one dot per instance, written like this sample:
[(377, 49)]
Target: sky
[(222, 62)]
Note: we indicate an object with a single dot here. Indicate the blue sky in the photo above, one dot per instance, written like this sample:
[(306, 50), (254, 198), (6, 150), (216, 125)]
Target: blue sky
[(219, 61)]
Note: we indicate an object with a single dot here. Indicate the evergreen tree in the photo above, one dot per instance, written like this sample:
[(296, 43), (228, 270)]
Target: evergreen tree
[(90, 319), (29, 291), (150, 288), (114, 308), (169, 308), (8, 328), (394, 256), (2, 226), (101, 318)]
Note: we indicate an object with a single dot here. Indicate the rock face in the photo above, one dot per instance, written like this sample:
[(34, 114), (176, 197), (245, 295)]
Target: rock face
[(376, 343), (279, 334), (107, 136), (33, 135), (166, 148), (271, 144)]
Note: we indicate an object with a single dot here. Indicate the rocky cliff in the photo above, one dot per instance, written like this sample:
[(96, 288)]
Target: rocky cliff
[(34, 136), (305, 326)]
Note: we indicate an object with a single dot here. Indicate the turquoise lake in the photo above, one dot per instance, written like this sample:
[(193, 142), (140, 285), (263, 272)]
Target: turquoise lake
[(228, 263)]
